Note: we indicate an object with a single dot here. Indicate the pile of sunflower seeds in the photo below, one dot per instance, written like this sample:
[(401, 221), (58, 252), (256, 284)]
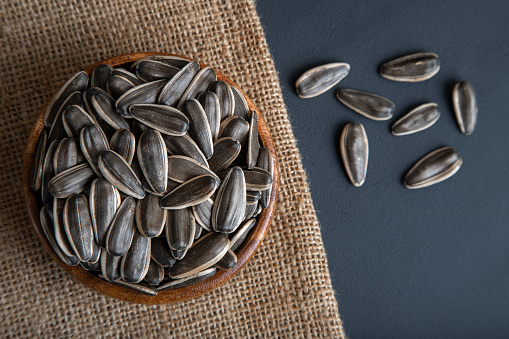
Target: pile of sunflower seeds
[(434, 167), (153, 176)]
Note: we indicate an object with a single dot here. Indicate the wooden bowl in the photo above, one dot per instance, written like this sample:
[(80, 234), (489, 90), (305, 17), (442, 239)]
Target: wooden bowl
[(245, 252)]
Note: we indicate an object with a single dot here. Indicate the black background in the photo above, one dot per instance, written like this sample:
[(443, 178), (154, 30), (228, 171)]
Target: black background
[(428, 263)]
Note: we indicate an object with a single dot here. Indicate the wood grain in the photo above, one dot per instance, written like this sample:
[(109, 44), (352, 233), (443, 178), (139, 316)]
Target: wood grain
[(245, 252)]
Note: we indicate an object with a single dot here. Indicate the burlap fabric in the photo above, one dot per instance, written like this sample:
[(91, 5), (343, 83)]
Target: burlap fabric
[(284, 291)]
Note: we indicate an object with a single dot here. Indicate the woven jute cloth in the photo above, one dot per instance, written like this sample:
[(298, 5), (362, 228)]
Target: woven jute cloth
[(284, 291)]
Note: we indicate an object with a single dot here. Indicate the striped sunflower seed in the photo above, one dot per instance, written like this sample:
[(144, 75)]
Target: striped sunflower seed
[(184, 145), (139, 287), (152, 70), (253, 145), (465, 106), (165, 119), (230, 203), (226, 151), (57, 130), (118, 85), (180, 229), (182, 168), (241, 107), (433, 168), (202, 213), (234, 127), (91, 109), (100, 76), (146, 93), (171, 60), (250, 211), (418, 119), (160, 252), (136, 261), (118, 172), (199, 128), (241, 234), (67, 154), (174, 89), (210, 103), (225, 96), (153, 160), (58, 223), (93, 143), (75, 99), (123, 142), (199, 84), (104, 106), (411, 68), (257, 179), (320, 79), (191, 280), (77, 83), (155, 274), (75, 118), (265, 162), (127, 75), (110, 265), (228, 261), (150, 217), (370, 105), (78, 226), (48, 173), (204, 254), (38, 162), (71, 181), (354, 152), (190, 193), (121, 230), (104, 201)]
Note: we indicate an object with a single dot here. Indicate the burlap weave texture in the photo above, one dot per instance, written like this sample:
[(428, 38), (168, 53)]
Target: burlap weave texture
[(284, 291)]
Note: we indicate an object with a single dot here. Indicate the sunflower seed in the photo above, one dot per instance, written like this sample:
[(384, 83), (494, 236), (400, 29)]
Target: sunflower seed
[(234, 127), (210, 103), (38, 162), (354, 152), (48, 172), (253, 145), (117, 85), (139, 287), (250, 211), (71, 181), (136, 261), (117, 171), (320, 79), (184, 145), (152, 70), (202, 213), (434, 168), (171, 60), (199, 84), (252, 197), (465, 106), (180, 229), (121, 230), (160, 252), (153, 160), (75, 118), (96, 255), (75, 99), (104, 201), (226, 151), (47, 227), (104, 106), (127, 75), (257, 179), (142, 94), (110, 265), (178, 254), (123, 142), (230, 203), (155, 274), (191, 280), (67, 154), (176, 86), (372, 106), (241, 234), (78, 226), (205, 253), (199, 128), (228, 261), (150, 217), (57, 131), (100, 76), (96, 266), (77, 83), (241, 107), (165, 119), (265, 162), (225, 96), (182, 168), (416, 120), (197, 231), (411, 68), (88, 98), (58, 222), (93, 143), (191, 192)]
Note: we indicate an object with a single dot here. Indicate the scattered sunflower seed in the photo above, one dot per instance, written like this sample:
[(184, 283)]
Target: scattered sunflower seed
[(180, 229), (151, 70), (354, 152), (226, 151), (174, 89), (199, 84), (225, 96), (182, 168), (75, 118), (418, 119), (67, 154), (411, 68), (93, 143), (199, 128), (146, 93), (320, 79), (370, 105), (465, 106), (184, 145)]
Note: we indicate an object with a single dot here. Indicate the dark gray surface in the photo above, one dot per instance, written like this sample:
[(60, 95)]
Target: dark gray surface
[(428, 263)]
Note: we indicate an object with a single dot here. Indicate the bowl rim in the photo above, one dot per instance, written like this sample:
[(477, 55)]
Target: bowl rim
[(244, 253)]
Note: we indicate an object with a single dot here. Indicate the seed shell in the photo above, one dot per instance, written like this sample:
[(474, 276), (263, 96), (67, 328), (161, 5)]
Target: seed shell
[(104, 106), (370, 105), (139, 287), (191, 192), (58, 223), (38, 162), (121, 230), (93, 143), (48, 172), (210, 103), (265, 162), (135, 263), (165, 119), (418, 119), (174, 89), (171, 60), (78, 226), (152, 70), (411, 68), (104, 201), (199, 128), (230, 203), (202, 213), (465, 106), (320, 79), (117, 85), (118, 172), (71, 181), (234, 127), (433, 168), (153, 160), (354, 152), (150, 217), (91, 109)]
